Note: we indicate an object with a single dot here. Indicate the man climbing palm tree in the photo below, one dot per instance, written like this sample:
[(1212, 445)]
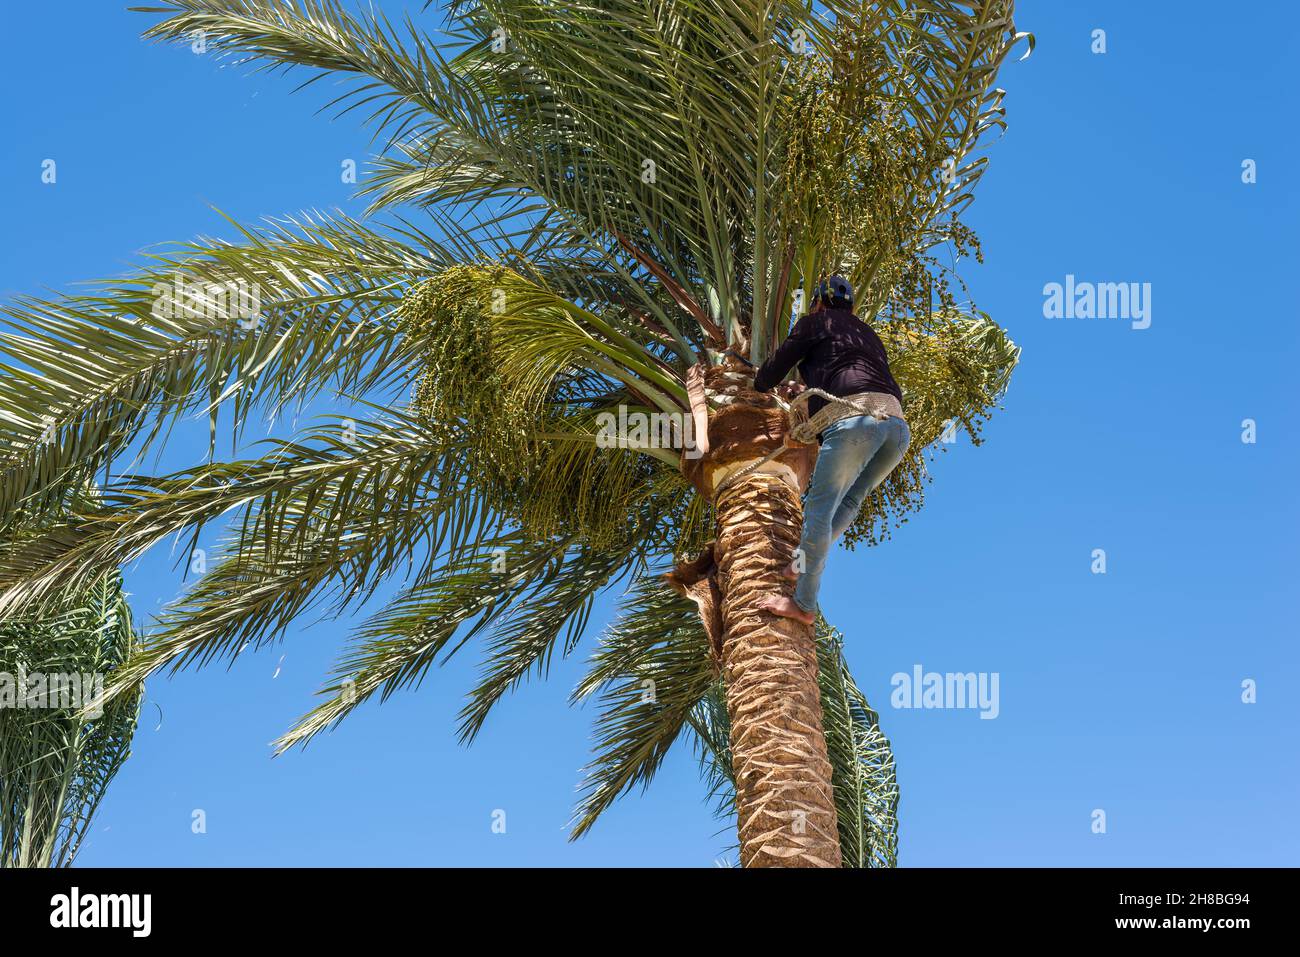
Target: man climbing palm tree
[(558, 278), (840, 354)]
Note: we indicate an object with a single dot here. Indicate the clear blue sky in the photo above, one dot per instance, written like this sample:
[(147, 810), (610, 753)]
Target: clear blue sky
[(1118, 691)]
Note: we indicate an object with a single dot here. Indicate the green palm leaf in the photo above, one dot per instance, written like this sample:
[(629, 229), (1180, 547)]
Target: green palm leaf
[(82, 377), (866, 787), (56, 764), (649, 674)]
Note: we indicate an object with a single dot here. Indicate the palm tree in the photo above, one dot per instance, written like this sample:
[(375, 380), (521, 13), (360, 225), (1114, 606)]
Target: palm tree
[(55, 763), (615, 202)]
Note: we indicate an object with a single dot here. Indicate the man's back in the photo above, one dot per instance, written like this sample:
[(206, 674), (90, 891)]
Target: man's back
[(836, 352)]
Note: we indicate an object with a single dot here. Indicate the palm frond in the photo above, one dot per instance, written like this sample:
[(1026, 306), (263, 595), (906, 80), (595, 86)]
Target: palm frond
[(862, 762), (298, 307), (322, 489), (524, 639), (55, 763), (650, 672), (401, 79), (399, 643)]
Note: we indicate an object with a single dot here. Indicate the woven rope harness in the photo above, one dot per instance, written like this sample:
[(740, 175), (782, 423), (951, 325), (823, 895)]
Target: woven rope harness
[(805, 433)]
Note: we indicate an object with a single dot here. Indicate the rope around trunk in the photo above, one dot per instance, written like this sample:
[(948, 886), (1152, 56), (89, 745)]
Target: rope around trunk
[(805, 433)]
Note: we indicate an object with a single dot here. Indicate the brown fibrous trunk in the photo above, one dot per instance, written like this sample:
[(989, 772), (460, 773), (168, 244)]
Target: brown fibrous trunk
[(785, 804)]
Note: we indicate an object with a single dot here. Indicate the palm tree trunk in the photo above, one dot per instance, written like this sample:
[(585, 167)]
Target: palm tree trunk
[(784, 801)]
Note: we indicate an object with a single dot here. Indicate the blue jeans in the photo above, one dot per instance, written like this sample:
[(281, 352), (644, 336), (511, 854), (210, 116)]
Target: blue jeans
[(857, 454)]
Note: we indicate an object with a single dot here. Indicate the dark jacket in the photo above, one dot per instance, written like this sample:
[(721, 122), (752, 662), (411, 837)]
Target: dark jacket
[(836, 352)]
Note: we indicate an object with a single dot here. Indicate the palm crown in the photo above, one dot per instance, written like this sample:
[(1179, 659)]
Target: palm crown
[(578, 208)]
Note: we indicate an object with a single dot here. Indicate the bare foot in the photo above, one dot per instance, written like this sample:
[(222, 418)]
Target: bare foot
[(789, 573), (786, 608)]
